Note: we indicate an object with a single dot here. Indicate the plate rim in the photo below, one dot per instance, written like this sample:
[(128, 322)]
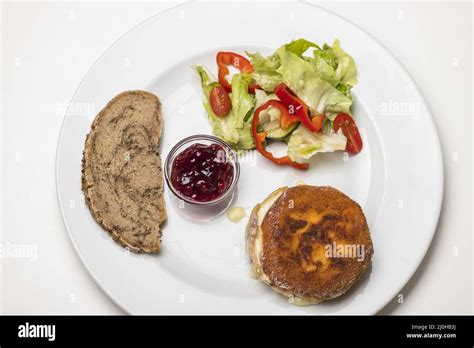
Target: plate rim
[(437, 152)]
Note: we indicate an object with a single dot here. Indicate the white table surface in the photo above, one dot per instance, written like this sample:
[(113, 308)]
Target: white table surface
[(46, 49)]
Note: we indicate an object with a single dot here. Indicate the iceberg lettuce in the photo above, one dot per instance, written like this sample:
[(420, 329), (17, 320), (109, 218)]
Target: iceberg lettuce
[(333, 64), (242, 101), (221, 126), (235, 128), (303, 144), (304, 79)]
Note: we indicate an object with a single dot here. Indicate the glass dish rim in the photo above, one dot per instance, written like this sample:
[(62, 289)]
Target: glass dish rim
[(230, 153)]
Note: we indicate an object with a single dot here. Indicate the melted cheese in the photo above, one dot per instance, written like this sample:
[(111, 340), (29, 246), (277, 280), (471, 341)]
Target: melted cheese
[(236, 214), (298, 301), (262, 212)]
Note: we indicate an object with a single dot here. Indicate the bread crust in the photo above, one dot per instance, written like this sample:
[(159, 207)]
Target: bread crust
[(140, 239)]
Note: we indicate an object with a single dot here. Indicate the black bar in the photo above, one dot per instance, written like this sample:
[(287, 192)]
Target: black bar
[(288, 330)]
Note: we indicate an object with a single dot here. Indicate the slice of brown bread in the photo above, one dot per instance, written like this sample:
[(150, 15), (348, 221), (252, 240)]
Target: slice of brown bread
[(122, 177)]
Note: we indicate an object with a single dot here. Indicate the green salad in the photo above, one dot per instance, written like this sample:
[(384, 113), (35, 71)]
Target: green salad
[(300, 94)]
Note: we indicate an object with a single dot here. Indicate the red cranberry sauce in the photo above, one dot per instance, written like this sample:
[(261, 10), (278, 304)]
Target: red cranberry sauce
[(202, 172)]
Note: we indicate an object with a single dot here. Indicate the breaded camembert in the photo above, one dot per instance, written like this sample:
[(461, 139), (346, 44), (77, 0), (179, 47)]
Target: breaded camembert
[(308, 243)]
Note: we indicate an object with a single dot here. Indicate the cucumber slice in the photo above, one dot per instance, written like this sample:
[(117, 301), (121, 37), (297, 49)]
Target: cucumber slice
[(279, 133), (271, 124)]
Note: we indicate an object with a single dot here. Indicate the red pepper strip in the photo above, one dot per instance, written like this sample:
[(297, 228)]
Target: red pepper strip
[(296, 107), (224, 59), (260, 137), (317, 122), (223, 72), (286, 120), (253, 87)]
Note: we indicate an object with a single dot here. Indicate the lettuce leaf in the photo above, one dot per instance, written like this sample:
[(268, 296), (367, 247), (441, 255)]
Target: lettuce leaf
[(261, 63), (303, 144), (304, 80), (242, 101), (346, 71), (327, 55), (300, 46), (336, 67), (264, 73), (261, 97), (265, 68), (326, 64), (246, 141), (221, 126), (333, 64), (242, 106), (268, 80)]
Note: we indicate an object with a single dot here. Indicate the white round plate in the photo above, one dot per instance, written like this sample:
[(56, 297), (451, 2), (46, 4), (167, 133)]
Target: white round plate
[(203, 268)]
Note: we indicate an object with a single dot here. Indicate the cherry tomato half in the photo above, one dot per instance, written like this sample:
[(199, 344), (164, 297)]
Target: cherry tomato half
[(346, 123), (220, 101)]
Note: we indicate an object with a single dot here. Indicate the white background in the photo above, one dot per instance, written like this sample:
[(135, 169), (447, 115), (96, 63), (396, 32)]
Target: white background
[(46, 49)]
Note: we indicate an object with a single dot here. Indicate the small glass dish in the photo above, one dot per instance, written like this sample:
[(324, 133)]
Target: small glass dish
[(204, 139)]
